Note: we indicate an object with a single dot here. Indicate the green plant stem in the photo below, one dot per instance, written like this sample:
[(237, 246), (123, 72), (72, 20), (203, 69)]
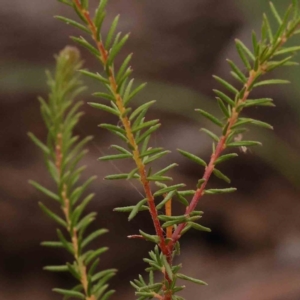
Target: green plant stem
[(104, 57), (67, 212)]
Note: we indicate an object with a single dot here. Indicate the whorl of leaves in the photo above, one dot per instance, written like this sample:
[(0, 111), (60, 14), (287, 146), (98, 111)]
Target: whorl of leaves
[(63, 153), (136, 131)]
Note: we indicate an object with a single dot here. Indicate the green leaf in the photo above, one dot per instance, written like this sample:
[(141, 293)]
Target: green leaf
[(219, 191), (296, 8), (153, 286), (292, 50), (159, 178), (111, 31), (220, 175), (151, 151), (271, 81), (243, 54), (121, 149), (193, 157), (259, 102), (66, 2), (93, 236), (76, 194), (144, 125), (127, 209), (255, 43), (156, 156), (224, 109), (68, 246), (245, 49), (41, 145), (268, 27), (56, 268), (275, 13), (73, 23), (168, 189), (225, 98), (100, 15), (114, 157), (211, 134), (52, 215), (284, 62), (191, 279), (167, 267), (94, 254), (174, 222), (199, 227), (140, 109), (123, 68), (137, 208), (166, 169), (277, 38), (108, 294), (187, 193), (225, 157), (244, 144), (119, 176), (96, 76), (172, 218), (116, 48), (86, 221), (149, 237), (104, 96), (116, 130), (105, 108), (243, 121), (237, 71), (169, 196), (227, 85), (134, 92), (52, 244), (257, 123), (86, 45), (69, 293), (182, 199), (104, 273), (147, 133), (45, 191), (209, 117)]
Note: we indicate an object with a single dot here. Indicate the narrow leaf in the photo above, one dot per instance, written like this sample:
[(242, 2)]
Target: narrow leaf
[(219, 191), (104, 107), (209, 117), (52, 215), (193, 157), (220, 175), (44, 190), (191, 279), (227, 85), (72, 23)]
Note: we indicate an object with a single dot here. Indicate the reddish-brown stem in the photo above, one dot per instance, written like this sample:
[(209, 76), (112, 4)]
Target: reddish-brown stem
[(219, 149), (127, 126), (104, 56)]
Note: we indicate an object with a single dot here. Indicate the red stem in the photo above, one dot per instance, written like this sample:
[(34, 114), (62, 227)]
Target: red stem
[(210, 167), (127, 126)]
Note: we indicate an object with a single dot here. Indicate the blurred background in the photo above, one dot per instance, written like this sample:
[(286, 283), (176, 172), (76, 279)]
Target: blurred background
[(253, 251)]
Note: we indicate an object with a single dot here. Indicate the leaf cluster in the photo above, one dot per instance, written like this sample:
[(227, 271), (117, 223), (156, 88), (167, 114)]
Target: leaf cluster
[(63, 152)]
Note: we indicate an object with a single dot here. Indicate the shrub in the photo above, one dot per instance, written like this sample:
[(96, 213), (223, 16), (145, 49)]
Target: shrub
[(269, 51)]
